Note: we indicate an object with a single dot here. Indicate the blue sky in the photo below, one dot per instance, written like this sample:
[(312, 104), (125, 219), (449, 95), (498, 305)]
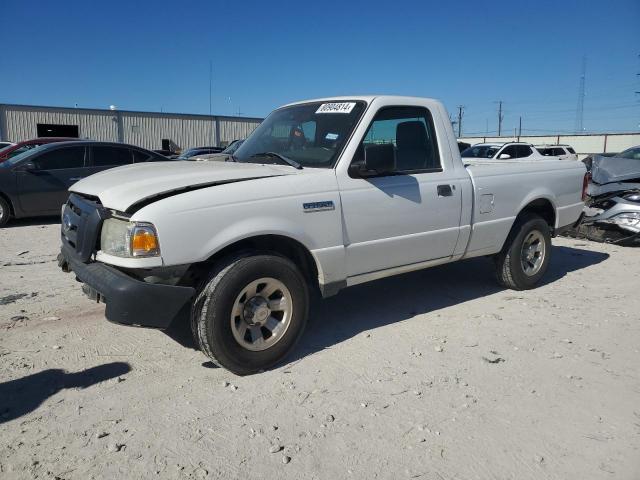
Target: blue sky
[(153, 55)]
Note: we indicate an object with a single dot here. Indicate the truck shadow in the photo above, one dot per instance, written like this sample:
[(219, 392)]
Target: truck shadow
[(394, 299), (391, 300), (23, 395)]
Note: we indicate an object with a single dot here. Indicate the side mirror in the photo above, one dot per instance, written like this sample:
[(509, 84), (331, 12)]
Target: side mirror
[(28, 167), (504, 156)]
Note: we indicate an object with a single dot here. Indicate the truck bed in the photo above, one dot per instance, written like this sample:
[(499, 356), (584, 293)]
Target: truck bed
[(502, 188)]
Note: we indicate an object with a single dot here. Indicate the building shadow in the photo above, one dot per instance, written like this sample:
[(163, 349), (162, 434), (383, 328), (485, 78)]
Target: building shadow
[(24, 395)]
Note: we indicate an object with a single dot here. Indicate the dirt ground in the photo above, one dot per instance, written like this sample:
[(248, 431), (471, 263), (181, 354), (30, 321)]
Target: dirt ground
[(437, 374)]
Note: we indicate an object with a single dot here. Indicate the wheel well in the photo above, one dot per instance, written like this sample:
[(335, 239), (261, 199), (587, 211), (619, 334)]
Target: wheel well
[(543, 208), (8, 200), (278, 244)]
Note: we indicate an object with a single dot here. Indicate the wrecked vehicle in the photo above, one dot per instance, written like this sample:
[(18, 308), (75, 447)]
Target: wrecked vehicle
[(612, 209)]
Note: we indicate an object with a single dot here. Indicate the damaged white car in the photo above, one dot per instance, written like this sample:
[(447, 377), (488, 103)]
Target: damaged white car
[(612, 211)]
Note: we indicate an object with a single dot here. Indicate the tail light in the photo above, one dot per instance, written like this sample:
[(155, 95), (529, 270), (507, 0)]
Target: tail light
[(585, 185)]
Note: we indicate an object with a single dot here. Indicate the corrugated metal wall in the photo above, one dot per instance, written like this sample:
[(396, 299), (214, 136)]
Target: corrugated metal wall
[(18, 122), (235, 128), (148, 130)]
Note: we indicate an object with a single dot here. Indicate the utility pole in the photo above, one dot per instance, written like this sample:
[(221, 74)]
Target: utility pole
[(500, 117), (520, 128), (460, 112), (213, 140), (580, 109)]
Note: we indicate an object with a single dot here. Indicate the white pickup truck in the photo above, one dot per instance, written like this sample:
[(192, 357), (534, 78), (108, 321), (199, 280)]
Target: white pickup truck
[(324, 194)]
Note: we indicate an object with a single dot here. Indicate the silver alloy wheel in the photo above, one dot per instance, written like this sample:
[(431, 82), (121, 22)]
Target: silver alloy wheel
[(533, 252), (261, 314), (2, 212)]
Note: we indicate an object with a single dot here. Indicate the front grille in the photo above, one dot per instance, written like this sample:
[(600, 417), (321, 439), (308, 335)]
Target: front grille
[(81, 223)]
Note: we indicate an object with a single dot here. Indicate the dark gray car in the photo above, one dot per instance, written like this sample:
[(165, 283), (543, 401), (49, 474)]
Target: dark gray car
[(36, 182)]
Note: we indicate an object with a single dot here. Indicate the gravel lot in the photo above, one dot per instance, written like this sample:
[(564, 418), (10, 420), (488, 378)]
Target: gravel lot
[(437, 374)]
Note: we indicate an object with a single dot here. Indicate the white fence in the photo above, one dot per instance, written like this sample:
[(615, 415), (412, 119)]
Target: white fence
[(584, 145)]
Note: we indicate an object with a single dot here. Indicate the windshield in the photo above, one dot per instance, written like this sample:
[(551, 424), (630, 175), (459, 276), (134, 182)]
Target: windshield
[(23, 154), (189, 153), (311, 134), (633, 153), (480, 151), (233, 147)]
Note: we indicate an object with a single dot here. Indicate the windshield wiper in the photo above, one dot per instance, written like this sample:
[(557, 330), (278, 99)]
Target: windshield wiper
[(287, 160)]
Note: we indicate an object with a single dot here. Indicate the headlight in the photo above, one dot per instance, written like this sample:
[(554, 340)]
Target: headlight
[(129, 239), (633, 197), (628, 221)]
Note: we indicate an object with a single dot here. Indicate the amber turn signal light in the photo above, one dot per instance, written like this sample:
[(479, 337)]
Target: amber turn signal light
[(144, 241)]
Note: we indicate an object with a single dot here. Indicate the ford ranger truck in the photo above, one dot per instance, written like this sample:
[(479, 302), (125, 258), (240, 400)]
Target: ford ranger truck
[(323, 195)]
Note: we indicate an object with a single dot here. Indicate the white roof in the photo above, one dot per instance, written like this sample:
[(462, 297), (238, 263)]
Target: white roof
[(365, 98)]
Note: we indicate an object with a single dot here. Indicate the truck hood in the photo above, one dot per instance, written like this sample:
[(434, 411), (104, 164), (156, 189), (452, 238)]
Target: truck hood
[(121, 188)]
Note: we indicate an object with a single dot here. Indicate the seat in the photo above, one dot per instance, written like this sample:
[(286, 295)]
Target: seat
[(413, 149)]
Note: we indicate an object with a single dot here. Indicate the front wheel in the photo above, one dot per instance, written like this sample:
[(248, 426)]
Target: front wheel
[(5, 212), (251, 312), (525, 257)]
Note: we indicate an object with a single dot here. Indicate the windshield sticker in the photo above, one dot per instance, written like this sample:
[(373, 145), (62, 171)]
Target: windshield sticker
[(331, 136), (345, 107)]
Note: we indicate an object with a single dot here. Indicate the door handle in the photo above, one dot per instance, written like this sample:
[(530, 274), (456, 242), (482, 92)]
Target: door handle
[(445, 191), (75, 179)]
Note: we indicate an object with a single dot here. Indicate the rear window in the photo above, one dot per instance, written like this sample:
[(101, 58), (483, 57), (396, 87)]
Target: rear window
[(571, 150), (140, 156), (107, 156)]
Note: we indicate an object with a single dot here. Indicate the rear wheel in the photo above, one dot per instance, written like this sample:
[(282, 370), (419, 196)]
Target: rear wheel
[(251, 312), (525, 256), (5, 212)]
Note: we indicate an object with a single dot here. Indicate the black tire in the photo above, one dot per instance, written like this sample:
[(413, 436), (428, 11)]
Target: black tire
[(211, 311), (510, 271), (5, 212)]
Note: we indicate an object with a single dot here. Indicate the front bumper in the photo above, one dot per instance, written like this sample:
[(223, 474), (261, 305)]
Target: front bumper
[(128, 301)]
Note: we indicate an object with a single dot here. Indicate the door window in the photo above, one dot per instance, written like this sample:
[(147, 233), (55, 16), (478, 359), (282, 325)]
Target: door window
[(523, 151), (111, 156), (411, 132), (559, 151), (69, 157), (510, 150)]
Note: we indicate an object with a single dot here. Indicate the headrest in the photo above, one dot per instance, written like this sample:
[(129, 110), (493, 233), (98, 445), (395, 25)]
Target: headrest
[(411, 134)]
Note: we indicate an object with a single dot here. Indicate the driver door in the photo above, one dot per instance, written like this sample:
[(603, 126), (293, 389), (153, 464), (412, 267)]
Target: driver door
[(43, 189), (406, 216)]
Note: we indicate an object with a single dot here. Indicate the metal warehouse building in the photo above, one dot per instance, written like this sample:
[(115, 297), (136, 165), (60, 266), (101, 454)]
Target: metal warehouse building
[(145, 129)]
